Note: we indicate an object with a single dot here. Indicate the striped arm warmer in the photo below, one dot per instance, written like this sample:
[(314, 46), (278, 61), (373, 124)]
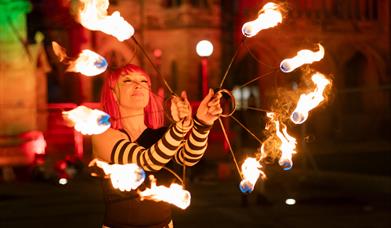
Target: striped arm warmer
[(195, 145), (155, 157)]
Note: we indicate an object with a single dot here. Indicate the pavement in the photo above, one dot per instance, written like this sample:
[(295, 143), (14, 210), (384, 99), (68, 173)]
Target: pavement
[(323, 199)]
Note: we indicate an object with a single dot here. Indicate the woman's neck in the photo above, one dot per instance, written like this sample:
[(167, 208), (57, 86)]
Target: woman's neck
[(133, 122)]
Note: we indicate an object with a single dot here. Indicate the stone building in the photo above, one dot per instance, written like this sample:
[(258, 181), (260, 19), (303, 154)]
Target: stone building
[(355, 34)]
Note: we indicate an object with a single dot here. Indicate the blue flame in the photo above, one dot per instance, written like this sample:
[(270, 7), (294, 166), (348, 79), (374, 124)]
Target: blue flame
[(101, 63), (246, 186), (104, 120)]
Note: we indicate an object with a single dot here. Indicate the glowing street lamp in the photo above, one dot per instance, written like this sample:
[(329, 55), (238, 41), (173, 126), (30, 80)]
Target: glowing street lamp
[(204, 49)]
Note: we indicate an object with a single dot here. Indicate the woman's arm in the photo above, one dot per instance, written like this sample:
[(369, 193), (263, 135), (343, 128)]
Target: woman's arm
[(196, 144), (112, 146)]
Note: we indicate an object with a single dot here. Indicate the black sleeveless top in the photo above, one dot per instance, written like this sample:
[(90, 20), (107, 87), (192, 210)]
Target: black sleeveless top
[(125, 209)]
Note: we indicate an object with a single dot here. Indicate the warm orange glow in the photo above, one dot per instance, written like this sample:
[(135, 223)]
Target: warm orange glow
[(251, 170), (35, 143), (125, 177), (288, 143), (288, 147), (175, 194), (87, 63), (93, 16), (269, 16), (302, 57), (88, 121), (309, 101)]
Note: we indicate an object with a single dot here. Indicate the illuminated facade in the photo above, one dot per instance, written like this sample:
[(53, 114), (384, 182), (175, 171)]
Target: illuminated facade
[(355, 34)]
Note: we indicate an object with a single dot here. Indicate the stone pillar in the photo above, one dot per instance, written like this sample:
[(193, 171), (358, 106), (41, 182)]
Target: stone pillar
[(18, 105), (17, 70)]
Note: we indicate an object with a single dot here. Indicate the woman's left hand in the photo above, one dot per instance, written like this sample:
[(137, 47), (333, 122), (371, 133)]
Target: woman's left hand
[(210, 108)]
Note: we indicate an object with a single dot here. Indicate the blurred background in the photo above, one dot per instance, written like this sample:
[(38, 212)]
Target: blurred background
[(340, 177)]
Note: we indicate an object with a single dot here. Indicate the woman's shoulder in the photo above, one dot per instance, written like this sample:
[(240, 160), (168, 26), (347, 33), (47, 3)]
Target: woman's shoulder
[(109, 133)]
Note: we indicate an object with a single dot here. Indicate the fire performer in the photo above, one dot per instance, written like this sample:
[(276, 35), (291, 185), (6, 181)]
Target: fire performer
[(137, 136)]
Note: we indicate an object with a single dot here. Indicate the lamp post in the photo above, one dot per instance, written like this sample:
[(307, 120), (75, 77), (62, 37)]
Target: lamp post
[(204, 49)]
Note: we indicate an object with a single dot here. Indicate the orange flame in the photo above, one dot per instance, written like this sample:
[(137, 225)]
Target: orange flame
[(94, 17), (123, 177), (288, 143), (309, 101), (302, 57), (288, 146), (88, 121), (87, 63), (251, 170), (175, 194), (269, 16)]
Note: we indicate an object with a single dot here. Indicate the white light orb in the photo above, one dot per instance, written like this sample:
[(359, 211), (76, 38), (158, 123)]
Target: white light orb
[(204, 48)]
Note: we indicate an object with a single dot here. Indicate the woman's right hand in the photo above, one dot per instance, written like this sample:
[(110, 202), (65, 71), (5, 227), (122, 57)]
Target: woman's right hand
[(181, 109)]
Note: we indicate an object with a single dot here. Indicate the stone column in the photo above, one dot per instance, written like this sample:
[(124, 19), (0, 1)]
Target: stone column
[(18, 106), (17, 70)]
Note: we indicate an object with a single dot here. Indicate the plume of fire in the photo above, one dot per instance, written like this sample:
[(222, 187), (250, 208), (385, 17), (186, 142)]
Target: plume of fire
[(125, 177), (175, 194), (302, 57), (309, 101), (87, 121), (93, 16), (251, 170), (269, 16), (287, 146), (87, 63)]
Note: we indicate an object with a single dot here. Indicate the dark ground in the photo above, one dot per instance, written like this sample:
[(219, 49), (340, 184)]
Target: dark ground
[(323, 199)]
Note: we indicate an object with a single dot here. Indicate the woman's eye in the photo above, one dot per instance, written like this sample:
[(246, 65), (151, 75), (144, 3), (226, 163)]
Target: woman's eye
[(144, 81), (127, 80)]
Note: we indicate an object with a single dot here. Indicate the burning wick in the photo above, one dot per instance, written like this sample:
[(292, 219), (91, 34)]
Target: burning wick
[(269, 16), (124, 177), (88, 121), (309, 101), (302, 57), (251, 172), (175, 194), (87, 63)]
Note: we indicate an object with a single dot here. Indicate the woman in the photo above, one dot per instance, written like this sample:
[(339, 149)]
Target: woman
[(137, 136)]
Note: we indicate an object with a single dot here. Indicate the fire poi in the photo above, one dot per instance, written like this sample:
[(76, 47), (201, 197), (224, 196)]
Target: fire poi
[(93, 16)]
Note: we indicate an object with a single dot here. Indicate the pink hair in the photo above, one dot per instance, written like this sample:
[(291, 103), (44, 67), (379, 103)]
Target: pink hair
[(154, 116)]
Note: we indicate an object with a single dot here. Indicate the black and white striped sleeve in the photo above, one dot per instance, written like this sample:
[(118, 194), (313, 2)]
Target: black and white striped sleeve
[(195, 145), (155, 157)]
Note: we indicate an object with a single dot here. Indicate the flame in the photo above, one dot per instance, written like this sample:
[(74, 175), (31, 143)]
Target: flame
[(175, 194), (302, 57), (309, 101), (87, 63), (123, 177), (251, 170), (288, 143), (288, 147), (269, 16), (88, 121), (94, 17)]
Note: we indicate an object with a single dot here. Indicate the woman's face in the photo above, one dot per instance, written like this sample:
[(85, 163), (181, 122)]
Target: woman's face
[(132, 91)]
